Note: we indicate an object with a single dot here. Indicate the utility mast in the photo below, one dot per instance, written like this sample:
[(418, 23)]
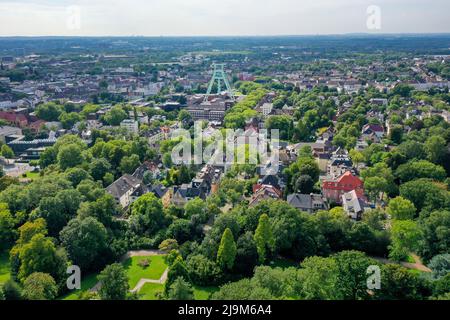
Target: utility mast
[(218, 77)]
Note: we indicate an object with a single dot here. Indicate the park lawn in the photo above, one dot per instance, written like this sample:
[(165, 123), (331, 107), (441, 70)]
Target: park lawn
[(4, 267), (87, 283), (135, 272), (203, 293), (32, 175), (150, 290)]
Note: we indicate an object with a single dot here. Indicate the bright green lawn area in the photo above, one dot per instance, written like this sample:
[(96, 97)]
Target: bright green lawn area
[(87, 283), (203, 293), (149, 291), (135, 272), (4, 267), (32, 175)]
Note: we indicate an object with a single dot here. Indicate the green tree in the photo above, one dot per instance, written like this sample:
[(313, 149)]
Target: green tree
[(147, 214), (398, 284), (405, 237), (304, 184), (115, 116), (281, 123), (396, 134), (318, 278), (39, 286), (68, 120), (12, 290), (196, 207), (403, 90), (108, 179), (41, 255), (227, 250), (264, 237), (246, 254), (375, 187), (436, 149), (7, 227), (401, 209), (114, 283), (180, 290), (440, 265), (85, 241), (7, 152), (76, 175), (98, 168), (69, 156), (48, 157), (176, 270), (202, 271), (103, 209), (356, 156), (129, 164), (49, 111), (436, 234), (242, 290), (420, 169), (352, 275)]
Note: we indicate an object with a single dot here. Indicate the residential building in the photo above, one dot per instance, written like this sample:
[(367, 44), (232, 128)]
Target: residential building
[(354, 205), (126, 190), (264, 192), (333, 189), (309, 203), (131, 126)]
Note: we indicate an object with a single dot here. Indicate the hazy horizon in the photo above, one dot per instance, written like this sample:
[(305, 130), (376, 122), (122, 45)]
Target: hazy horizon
[(194, 18)]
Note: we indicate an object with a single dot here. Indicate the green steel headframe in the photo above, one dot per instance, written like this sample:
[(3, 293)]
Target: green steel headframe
[(218, 77)]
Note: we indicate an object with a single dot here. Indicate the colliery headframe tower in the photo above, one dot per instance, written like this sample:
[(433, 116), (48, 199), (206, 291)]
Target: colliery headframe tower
[(219, 78)]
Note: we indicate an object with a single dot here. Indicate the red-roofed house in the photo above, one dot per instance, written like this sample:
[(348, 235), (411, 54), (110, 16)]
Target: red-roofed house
[(376, 129), (18, 119), (334, 189), (264, 192)]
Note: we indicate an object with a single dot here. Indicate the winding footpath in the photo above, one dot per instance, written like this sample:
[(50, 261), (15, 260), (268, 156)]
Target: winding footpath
[(417, 265), (143, 281)]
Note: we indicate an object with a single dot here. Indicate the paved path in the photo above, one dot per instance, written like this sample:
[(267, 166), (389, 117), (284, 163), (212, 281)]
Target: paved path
[(417, 265), (142, 282), (142, 253)]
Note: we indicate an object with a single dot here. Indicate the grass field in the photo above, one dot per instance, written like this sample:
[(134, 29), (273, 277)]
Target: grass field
[(4, 267), (32, 175), (136, 272), (87, 283), (203, 293), (149, 291)]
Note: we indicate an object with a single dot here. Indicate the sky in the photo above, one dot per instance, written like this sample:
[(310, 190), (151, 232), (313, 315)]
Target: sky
[(220, 17)]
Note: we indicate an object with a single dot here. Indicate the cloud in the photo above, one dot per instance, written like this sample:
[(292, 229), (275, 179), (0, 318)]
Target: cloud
[(218, 17)]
